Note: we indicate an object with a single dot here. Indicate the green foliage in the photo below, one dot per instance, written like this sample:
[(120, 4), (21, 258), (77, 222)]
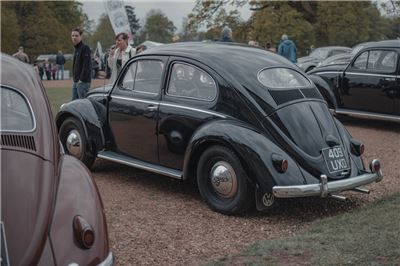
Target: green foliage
[(158, 27), (133, 21), (10, 30), (41, 27), (104, 33)]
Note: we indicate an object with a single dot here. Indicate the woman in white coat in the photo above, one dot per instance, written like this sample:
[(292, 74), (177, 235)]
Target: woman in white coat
[(120, 55)]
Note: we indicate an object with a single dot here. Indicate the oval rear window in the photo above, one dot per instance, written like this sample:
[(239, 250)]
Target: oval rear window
[(280, 77)]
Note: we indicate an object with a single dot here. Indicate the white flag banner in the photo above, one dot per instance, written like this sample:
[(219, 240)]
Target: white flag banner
[(117, 15)]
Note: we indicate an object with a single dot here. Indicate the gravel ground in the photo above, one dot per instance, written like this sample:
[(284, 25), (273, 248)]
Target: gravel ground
[(154, 220)]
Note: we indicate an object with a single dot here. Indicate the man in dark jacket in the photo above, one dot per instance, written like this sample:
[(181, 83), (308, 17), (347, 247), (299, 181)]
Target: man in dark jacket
[(81, 66), (288, 49), (60, 61)]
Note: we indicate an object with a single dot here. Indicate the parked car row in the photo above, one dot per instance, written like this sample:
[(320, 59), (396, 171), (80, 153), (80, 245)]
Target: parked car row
[(368, 85)]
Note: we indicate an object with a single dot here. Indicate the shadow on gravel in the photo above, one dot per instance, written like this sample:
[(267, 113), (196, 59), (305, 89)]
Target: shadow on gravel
[(369, 123), (296, 210)]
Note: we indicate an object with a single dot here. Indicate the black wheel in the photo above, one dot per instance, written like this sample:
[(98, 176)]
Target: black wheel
[(73, 139), (222, 181)]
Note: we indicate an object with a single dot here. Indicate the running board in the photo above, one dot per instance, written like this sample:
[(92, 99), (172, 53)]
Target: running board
[(394, 118), (122, 159)]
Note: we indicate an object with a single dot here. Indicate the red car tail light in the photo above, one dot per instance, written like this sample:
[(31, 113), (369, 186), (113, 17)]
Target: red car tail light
[(357, 148), (84, 232), (280, 163)]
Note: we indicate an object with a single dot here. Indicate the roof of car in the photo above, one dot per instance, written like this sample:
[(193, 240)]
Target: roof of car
[(386, 43)]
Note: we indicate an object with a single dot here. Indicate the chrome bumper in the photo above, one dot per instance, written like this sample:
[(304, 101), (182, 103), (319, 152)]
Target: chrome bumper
[(325, 188), (109, 261)]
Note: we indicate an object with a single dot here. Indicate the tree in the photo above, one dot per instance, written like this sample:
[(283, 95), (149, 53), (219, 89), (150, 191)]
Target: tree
[(104, 33), (133, 21), (40, 27), (158, 27)]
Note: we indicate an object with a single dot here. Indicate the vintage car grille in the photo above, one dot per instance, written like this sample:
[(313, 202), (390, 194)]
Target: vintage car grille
[(20, 141), (311, 93), (283, 96)]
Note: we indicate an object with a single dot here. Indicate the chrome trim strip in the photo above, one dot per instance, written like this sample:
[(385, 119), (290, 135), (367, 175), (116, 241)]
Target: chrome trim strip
[(367, 114), (325, 188), (115, 157), (170, 105), (326, 72), (134, 100), (30, 108), (194, 109), (373, 75), (109, 261)]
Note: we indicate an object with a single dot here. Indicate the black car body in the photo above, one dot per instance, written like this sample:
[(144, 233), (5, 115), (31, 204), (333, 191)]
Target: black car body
[(244, 122), (368, 86)]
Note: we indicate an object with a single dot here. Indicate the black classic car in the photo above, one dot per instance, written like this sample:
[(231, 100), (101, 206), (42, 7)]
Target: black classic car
[(245, 123), (320, 54), (368, 86)]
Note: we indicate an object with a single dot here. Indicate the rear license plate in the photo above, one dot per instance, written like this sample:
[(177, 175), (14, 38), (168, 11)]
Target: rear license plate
[(335, 159)]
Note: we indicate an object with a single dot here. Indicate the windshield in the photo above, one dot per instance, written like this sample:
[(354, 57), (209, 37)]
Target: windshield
[(320, 53)]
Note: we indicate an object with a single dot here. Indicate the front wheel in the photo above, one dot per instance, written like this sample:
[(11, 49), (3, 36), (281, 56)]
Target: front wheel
[(72, 137), (222, 181)]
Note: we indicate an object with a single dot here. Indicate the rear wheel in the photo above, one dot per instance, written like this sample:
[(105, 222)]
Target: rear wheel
[(222, 181), (73, 139)]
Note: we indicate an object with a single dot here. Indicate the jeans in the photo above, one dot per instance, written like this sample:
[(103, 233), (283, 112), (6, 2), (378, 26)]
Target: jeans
[(80, 89), (60, 68)]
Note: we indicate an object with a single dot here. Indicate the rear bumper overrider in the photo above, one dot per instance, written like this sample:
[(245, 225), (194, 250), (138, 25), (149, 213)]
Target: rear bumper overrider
[(325, 188)]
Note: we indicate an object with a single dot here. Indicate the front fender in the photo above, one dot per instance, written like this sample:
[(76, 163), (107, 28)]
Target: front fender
[(253, 148), (326, 88), (77, 194), (92, 116)]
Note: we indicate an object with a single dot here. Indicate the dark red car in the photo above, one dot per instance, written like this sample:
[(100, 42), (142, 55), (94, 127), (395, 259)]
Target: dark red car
[(51, 210)]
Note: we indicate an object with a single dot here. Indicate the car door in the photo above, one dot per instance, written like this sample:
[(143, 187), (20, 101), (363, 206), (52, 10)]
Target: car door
[(133, 109), (188, 102), (370, 82)]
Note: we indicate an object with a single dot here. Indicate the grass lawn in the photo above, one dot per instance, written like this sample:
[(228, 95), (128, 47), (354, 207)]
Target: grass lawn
[(367, 236), (58, 96)]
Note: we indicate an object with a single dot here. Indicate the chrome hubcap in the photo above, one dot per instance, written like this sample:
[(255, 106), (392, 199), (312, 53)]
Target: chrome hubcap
[(223, 179), (74, 143)]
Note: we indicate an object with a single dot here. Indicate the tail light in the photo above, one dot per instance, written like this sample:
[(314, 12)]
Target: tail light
[(84, 232), (375, 166), (357, 148), (280, 163)]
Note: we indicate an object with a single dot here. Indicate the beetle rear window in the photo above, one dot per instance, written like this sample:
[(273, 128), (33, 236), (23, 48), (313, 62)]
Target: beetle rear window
[(16, 115), (280, 77)]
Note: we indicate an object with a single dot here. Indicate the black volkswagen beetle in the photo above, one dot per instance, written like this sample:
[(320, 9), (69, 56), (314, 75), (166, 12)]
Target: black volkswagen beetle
[(368, 86), (247, 124)]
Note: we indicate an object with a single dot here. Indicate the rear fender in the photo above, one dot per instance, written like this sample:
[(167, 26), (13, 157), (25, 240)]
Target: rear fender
[(253, 148), (326, 88), (77, 194), (92, 116)]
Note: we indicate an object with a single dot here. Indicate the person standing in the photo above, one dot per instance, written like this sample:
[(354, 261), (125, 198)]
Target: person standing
[(81, 66), (226, 34), (21, 56), (288, 49), (47, 69), (120, 55), (60, 61)]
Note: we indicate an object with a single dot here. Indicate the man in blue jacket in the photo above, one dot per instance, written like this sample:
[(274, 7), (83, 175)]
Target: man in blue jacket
[(288, 49), (81, 66)]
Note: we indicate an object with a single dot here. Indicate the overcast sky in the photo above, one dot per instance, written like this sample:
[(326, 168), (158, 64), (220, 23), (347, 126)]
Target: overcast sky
[(175, 10)]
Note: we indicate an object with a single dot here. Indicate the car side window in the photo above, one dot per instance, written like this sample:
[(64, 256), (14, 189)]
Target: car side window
[(148, 77), (361, 61), (387, 62), (191, 82), (16, 114), (128, 81)]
